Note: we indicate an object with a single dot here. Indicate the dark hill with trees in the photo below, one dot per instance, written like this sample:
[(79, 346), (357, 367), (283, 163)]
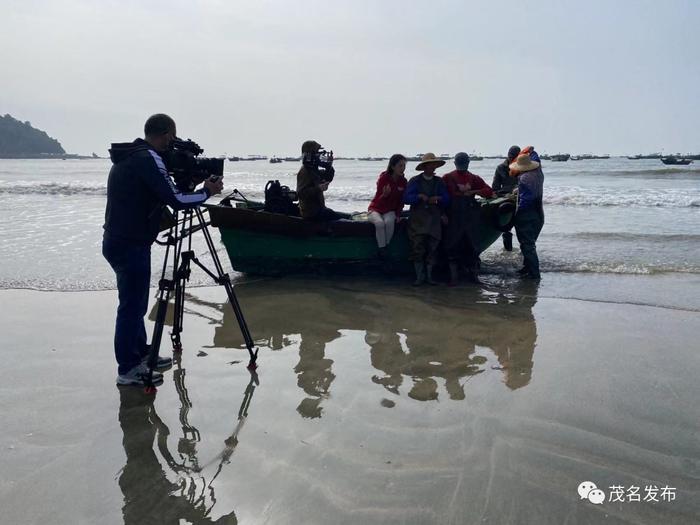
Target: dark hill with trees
[(20, 140)]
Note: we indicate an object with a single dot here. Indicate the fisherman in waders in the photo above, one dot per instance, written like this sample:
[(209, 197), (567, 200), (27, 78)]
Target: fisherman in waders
[(529, 218), (464, 216), (428, 198), (504, 184)]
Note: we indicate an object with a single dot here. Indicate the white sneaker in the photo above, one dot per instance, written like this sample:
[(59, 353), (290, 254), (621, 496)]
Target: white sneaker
[(164, 363), (138, 376)]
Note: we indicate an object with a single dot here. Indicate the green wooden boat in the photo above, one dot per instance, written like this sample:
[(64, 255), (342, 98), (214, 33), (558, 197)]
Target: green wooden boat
[(263, 243)]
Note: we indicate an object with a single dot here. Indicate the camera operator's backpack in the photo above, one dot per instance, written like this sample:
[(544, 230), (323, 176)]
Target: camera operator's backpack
[(280, 199)]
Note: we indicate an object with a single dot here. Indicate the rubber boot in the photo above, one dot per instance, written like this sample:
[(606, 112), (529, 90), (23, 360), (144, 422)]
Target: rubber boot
[(430, 275), (473, 276), (420, 275), (382, 253), (508, 241), (454, 274)]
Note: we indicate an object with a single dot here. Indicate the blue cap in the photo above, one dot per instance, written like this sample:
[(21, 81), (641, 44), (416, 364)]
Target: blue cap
[(461, 161)]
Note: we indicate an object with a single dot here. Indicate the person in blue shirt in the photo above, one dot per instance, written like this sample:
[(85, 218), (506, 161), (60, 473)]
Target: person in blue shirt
[(428, 197), (529, 217), (138, 189)]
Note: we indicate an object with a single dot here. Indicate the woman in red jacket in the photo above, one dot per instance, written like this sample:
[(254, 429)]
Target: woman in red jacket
[(385, 208)]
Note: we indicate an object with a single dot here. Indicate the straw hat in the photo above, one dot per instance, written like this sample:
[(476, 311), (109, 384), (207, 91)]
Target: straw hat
[(429, 158), (524, 163)]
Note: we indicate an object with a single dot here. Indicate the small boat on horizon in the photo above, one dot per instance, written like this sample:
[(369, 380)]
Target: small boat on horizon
[(672, 160), (645, 157), (560, 157), (275, 160)]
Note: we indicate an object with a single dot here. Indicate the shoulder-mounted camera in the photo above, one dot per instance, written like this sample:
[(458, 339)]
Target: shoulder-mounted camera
[(186, 167)]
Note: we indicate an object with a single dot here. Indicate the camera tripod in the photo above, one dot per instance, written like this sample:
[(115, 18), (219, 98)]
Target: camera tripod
[(181, 260)]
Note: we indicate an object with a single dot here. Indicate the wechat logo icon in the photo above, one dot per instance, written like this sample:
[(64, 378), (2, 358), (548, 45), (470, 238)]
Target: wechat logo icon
[(588, 490)]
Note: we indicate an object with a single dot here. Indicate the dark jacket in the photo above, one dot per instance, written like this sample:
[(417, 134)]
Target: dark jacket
[(137, 190), (503, 183), (311, 200)]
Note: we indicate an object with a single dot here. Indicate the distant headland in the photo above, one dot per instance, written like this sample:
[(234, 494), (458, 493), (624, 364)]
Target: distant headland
[(20, 140)]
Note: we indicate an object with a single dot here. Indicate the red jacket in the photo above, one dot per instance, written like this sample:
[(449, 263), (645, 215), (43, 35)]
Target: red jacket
[(393, 201), (465, 177)]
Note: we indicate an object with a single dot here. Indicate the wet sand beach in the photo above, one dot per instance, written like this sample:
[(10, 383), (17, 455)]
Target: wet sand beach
[(376, 403)]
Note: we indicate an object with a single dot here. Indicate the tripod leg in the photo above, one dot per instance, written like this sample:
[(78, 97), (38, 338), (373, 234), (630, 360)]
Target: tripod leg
[(178, 318), (223, 279), (164, 288)]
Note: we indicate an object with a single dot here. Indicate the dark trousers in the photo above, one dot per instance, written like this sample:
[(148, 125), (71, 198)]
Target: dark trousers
[(528, 225), (326, 214), (461, 242), (423, 248), (507, 238), (131, 263)]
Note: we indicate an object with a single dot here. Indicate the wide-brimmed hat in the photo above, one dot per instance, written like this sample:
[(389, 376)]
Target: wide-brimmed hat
[(429, 158), (524, 163)]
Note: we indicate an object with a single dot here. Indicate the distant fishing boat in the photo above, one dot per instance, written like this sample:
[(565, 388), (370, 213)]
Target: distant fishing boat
[(275, 160), (560, 157), (263, 243), (588, 156), (675, 161), (291, 159), (645, 157), (234, 159)]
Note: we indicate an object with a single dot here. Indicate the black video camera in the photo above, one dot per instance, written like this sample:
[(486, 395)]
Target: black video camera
[(187, 168), (321, 160)]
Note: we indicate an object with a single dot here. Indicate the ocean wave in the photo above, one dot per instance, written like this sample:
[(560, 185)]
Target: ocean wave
[(494, 264), (659, 172), (360, 196), (638, 199), (630, 237), (54, 188)]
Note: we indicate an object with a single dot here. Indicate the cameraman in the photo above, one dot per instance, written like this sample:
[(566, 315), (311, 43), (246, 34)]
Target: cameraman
[(313, 179), (138, 189)]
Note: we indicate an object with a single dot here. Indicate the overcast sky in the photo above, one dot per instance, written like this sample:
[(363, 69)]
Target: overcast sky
[(361, 77)]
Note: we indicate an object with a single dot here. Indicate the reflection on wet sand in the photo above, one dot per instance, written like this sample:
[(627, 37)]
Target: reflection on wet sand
[(418, 343), (149, 495)]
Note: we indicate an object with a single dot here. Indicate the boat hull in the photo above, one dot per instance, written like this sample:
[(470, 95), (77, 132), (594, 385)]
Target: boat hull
[(263, 243)]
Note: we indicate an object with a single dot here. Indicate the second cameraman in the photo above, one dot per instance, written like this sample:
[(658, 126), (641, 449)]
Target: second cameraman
[(138, 189), (313, 179)]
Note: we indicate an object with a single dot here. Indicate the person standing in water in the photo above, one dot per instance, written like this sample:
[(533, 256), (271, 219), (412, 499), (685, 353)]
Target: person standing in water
[(503, 184), (385, 208), (462, 243), (529, 218), (428, 197)]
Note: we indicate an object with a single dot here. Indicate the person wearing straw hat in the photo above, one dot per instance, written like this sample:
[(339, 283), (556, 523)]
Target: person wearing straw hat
[(529, 217), (428, 197), (462, 235)]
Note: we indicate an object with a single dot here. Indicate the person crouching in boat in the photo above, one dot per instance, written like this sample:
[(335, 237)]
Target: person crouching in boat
[(313, 179), (428, 198), (462, 242), (529, 217), (503, 184), (385, 208)]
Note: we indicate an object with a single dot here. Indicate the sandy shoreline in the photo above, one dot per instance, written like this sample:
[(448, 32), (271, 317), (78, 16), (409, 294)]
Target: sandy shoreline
[(374, 406)]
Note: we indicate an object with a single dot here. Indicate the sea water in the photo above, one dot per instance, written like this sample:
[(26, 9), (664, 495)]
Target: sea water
[(602, 216)]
